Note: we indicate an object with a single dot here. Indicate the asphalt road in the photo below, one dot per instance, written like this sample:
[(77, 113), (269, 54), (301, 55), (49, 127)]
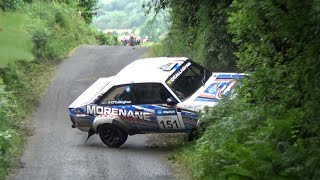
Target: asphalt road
[(56, 151)]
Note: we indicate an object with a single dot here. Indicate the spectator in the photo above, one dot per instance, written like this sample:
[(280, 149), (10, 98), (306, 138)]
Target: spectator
[(146, 39), (131, 41), (138, 41), (124, 41)]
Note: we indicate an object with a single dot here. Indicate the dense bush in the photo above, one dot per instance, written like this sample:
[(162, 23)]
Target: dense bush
[(56, 29), (108, 39), (272, 129), (279, 47), (23, 79)]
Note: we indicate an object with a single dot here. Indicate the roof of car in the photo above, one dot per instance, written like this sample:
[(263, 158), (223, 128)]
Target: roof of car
[(148, 70)]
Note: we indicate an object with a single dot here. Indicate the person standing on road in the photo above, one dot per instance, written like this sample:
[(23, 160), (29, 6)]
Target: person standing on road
[(131, 41), (124, 41)]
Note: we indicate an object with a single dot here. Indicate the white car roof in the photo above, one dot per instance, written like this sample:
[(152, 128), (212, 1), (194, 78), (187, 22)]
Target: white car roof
[(147, 70)]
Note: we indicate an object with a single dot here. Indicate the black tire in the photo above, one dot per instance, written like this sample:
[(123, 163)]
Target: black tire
[(112, 135), (192, 135)]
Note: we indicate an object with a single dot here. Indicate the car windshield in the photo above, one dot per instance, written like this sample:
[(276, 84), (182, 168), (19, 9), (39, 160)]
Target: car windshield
[(188, 79)]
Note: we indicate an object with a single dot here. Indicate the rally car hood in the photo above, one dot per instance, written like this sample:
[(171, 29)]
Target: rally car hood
[(217, 86), (91, 93)]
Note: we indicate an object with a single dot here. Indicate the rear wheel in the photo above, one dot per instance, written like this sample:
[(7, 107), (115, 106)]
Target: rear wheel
[(112, 135)]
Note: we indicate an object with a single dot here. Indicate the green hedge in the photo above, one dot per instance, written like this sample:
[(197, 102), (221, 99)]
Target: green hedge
[(56, 29), (272, 130)]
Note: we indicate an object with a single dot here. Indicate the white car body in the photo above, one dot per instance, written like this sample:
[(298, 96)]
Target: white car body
[(184, 88)]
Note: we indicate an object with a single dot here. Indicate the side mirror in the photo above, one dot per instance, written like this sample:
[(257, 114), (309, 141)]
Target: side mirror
[(171, 101)]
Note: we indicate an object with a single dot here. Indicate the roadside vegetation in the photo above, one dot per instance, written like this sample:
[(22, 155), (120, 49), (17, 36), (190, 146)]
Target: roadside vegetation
[(271, 130), (16, 43), (35, 35)]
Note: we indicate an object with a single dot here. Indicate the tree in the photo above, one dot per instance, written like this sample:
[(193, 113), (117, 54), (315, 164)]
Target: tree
[(87, 9), (199, 31)]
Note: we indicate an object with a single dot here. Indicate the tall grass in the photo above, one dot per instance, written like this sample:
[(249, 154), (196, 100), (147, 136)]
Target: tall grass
[(10, 137)]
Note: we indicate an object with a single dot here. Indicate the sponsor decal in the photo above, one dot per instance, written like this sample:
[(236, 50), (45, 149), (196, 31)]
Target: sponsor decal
[(159, 112), (109, 111), (178, 73), (119, 102), (205, 99), (164, 112), (230, 76), (217, 90)]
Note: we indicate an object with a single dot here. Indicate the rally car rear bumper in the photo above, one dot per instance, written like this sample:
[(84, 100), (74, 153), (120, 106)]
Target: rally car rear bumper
[(82, 123)]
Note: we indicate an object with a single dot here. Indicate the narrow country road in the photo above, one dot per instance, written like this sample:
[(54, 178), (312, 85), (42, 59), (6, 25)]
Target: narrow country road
[(56, 151)]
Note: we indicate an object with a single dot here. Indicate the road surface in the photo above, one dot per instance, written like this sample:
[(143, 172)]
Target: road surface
[(56, 151)]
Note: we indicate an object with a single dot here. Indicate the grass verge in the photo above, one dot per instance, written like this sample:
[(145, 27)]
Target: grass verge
[(17, 107)]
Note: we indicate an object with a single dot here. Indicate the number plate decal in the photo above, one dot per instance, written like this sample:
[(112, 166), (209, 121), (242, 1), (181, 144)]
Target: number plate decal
[(168, 119)]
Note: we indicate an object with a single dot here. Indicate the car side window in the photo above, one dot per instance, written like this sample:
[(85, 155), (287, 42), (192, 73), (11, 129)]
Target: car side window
[(118, 95), (151, 93)]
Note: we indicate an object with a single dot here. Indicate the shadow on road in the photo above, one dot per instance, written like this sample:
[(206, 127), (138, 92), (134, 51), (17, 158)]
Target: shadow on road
[(144, 142)]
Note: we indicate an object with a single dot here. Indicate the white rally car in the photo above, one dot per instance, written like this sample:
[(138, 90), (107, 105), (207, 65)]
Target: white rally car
[(152, 95)]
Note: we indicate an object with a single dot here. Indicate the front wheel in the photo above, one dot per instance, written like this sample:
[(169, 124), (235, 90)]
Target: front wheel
[(193, 135), (112, 135)]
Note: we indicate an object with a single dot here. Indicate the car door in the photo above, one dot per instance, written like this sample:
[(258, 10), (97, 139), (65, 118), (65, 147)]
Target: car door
[(117, 106), (152, 98)]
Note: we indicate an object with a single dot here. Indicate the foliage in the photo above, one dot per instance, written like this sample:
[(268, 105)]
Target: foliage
[(56, 29), (271, 130), (10, 137), (26, 82), (16, 43), (7, 5), (106, 39), (23, 78), (199, 31), (87, 7), (280, 51)]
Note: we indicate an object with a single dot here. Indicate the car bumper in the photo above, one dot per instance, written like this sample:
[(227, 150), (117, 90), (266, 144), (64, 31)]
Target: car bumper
[(81, 123)]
